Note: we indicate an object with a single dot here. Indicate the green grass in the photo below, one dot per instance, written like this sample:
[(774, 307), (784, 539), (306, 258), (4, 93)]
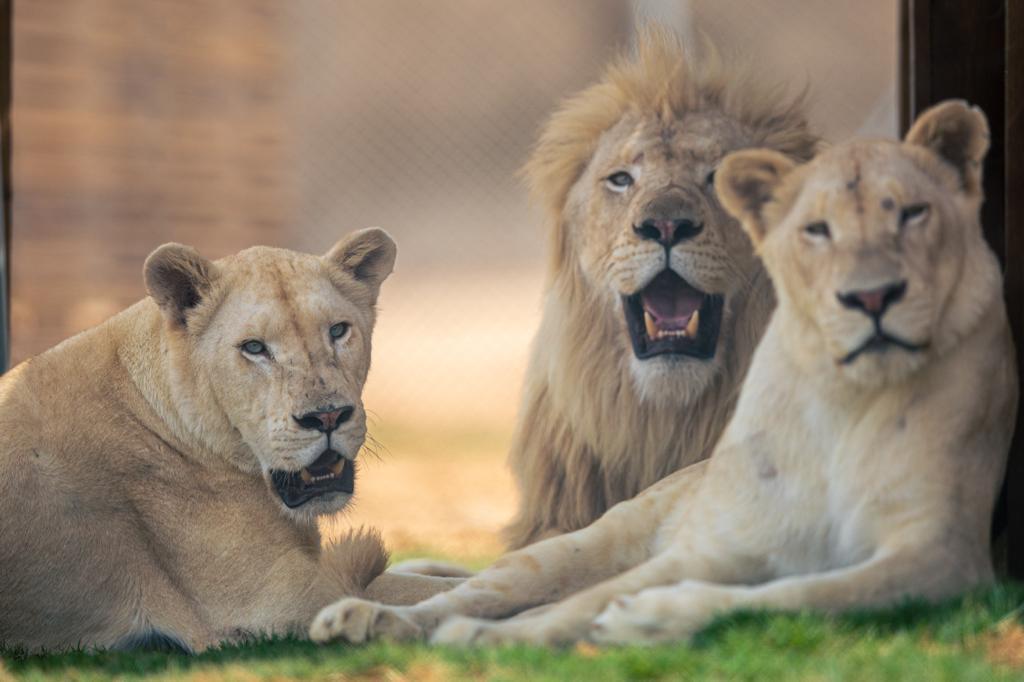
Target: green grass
[(953, 641)]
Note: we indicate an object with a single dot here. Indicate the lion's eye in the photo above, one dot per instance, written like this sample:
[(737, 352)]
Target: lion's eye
[(819, 230), (338, 330), (914, 213), (254, 347), (619, 182)]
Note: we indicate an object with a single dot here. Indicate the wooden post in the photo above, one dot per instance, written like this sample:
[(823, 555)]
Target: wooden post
[(1014, 233), (6, 41), (974, 51)]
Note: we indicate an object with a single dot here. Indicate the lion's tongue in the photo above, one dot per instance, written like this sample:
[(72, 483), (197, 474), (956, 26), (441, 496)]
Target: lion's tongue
[(670, 301)]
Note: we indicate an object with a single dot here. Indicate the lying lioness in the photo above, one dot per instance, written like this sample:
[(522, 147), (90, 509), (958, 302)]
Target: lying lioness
[(160, 475), (869, 440)]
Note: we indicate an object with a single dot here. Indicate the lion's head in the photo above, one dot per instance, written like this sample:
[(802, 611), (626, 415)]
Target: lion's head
[(875, 247), (642, 249), (269, 350)]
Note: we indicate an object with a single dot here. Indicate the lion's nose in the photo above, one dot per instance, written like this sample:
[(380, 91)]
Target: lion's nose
[(326, 420), (874, 302), (668, 233)]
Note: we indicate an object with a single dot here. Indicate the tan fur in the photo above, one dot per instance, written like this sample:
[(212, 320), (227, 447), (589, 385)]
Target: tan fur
[(133, 458), (596, 425), (838, 483)]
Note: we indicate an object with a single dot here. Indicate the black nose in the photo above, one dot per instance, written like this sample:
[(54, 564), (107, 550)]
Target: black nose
[(327, 420), (874, 302), (668, 233)]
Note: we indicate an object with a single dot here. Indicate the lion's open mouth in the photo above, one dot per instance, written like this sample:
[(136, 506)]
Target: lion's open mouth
[(669, 316), (330, 473)]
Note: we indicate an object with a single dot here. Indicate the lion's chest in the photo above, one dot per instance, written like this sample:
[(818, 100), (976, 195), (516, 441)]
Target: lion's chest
[(230, 550), (798, 493)]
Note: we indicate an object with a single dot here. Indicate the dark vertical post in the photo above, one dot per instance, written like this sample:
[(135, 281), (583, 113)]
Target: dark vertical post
[(973, 51), (6, 66), (1014, 207), (957, 49)]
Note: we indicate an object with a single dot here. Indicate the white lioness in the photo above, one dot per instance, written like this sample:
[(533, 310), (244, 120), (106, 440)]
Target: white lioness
[(161, 474), (868, 443)]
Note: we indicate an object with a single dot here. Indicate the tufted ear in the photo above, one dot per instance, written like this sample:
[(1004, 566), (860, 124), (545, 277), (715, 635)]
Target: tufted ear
[(368, 255), (958, 134), (745, 182), (177, 278)]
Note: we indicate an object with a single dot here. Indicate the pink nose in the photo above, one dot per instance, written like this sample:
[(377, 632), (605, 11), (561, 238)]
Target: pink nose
[(327, 420), (874, 302)]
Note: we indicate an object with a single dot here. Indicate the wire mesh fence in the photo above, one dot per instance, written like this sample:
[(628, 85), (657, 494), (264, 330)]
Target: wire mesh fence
[(227, 123)]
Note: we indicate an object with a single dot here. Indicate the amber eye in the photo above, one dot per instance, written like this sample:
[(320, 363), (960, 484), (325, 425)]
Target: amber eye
[(619, 182), (819, 230), (914, 213), (254, 347), (338, 330)]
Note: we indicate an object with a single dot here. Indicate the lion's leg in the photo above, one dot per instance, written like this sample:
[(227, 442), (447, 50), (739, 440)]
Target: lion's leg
[(569, 620), (679, 611), (405, 589), (438, 569), (535, 575)]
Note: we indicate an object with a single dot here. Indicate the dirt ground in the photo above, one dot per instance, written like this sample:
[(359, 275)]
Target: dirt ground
[(436, 493)]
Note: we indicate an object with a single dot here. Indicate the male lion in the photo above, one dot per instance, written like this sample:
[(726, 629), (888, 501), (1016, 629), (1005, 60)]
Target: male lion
[(654, 299), (869, 440), (161, 474)]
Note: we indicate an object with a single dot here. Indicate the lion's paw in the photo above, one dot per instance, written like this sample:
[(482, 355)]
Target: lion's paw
[(656, 615), (623, 623), (357, 621)]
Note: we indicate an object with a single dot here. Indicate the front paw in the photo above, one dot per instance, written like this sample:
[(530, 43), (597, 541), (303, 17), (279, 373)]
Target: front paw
[(654, 616), (357, 621), (623, 622)]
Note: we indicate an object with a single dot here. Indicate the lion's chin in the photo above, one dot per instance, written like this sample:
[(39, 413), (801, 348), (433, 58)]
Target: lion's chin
[(672, 380), (325, 505), (883, 358), (883, 368)]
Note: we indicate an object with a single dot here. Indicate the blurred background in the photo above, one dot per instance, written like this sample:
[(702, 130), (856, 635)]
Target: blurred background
[(228, 123)]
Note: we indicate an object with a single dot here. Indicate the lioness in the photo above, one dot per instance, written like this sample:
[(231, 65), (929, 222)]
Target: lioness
[(161, 474), (866, 451), (654, 300)]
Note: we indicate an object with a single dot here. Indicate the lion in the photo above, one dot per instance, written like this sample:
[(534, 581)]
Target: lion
[(654, 300), (862, 462), (161, 474)]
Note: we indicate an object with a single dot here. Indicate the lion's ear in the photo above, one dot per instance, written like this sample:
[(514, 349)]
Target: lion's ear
[(958, 134), (746, 180), (177, 278), (367, 255)]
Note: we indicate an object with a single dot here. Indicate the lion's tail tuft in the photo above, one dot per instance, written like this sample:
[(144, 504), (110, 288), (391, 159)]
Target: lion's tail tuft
[(356, 559)]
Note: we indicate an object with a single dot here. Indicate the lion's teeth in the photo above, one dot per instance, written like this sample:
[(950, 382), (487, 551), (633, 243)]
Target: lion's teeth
[(652, 329), (306, 476), (693, 324), (338, 466), (690, 332)]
